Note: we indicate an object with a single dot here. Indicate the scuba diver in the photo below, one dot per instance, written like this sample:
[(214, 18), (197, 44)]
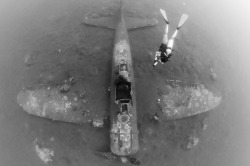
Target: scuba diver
[(166, 48)]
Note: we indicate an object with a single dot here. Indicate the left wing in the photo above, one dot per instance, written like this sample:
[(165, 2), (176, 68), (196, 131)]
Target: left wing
[(68, 106)]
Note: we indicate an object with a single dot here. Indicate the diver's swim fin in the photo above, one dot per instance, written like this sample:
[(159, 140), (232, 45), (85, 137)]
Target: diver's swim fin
[(183, 19), (164, 15), (167, 22)]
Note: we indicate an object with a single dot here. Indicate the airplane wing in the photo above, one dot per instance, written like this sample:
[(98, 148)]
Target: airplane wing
[(178, 99), (52, 103)]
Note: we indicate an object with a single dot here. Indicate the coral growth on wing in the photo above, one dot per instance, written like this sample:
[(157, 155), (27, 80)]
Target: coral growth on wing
[(58, 103), (181, 99)]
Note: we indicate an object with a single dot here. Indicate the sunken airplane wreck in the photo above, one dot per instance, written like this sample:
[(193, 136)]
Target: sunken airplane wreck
[(177, 100)]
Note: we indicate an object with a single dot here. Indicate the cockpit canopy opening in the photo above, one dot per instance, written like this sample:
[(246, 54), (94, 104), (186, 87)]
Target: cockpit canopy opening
[(123, 89)]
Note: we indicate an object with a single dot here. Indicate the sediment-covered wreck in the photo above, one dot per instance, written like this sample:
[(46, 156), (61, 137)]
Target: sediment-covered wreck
[(179, 99), (54, 104), (176, 100)]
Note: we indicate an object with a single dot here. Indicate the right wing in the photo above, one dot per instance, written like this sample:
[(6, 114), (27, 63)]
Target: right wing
[(179, 99)]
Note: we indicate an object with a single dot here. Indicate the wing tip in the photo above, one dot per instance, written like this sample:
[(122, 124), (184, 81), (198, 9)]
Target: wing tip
[(103, 22)]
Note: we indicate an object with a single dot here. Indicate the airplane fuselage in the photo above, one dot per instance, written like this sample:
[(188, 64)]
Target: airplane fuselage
[(123, 132)]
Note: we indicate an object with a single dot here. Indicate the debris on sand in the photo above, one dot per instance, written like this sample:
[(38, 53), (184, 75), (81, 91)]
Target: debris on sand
[(133, 160), (213, 76), (124, 159), (65, 87), (107, 155), (191, 142), (97, 122), (84, 112), (82, 95), (158, 101), (75, 99), (51, 139), (45, 154), (179, 99), (130, 159), (204, 124), (156, 117), (71, 81), (28, 60), (65, 98)]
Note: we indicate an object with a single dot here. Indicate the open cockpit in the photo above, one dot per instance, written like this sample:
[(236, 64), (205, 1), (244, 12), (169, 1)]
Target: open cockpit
[(123, 92)]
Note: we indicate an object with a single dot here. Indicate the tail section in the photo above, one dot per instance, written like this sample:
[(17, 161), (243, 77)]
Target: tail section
[(111, 22), (183, 19), (106, 22), (121, 9)]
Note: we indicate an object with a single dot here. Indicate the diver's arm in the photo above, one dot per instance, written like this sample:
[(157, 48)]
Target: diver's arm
[(170, 45), (157, 55)]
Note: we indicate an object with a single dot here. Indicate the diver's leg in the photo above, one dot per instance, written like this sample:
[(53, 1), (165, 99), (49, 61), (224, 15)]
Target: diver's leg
[(183, 19), (165, 39), (165, 36)]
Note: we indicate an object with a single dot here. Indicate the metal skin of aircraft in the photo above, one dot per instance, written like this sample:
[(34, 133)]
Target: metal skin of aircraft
[(124, 132), (123, 114)]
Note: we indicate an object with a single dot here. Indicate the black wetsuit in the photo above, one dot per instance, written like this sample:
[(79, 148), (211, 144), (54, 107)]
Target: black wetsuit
[(163, 55), (163, 48)]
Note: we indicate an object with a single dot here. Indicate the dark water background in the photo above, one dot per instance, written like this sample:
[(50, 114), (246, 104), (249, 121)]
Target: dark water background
[(215, 36)]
